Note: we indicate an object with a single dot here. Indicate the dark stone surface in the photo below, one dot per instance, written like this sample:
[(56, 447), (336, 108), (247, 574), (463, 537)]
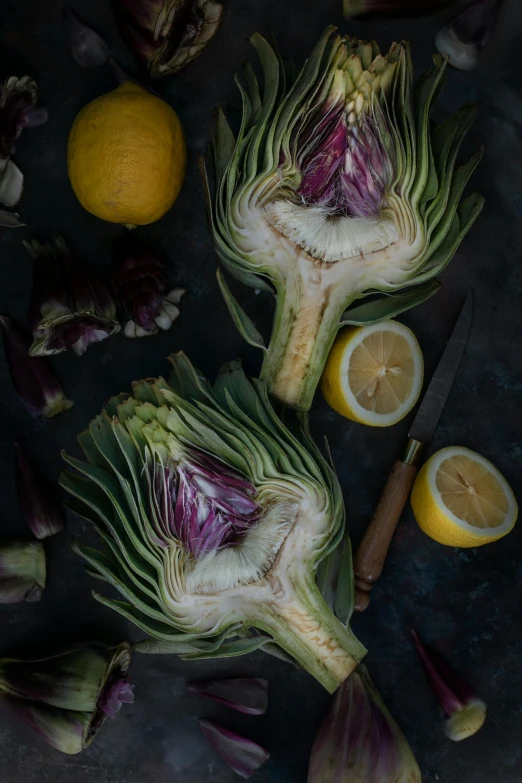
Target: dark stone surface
[(466, 601)]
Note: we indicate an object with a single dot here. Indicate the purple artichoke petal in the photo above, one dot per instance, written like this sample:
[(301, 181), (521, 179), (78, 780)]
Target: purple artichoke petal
[(89, 335), (87, 47), (17, 99), (210, 511), (126, 693), (451, 690), (34, 118), (40, 506), (466, 713), (48, 295), (248, 695), (213, 534), (320, 170), (346, 169), (359, 739), (70, 307), (139, 281), (120, 692), (393, 7), (226, 497), (33, 379), (243, 755), (167, 35)]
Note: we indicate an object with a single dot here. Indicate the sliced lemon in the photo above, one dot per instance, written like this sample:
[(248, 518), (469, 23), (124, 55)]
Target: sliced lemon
[(373, 374), (460, 499)]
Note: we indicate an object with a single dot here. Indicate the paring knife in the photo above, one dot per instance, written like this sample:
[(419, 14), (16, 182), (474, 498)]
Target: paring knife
[(371, 554)]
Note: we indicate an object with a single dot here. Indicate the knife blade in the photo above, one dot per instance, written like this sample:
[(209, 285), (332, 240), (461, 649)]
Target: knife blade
[(371, 554), (435, 396)]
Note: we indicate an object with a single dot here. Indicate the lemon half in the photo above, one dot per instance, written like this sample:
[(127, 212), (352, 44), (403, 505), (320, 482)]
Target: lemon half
[(374, 374), (460, 499)]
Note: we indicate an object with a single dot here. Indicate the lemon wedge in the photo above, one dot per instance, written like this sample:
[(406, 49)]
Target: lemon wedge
[(460, 499), (373, 374)]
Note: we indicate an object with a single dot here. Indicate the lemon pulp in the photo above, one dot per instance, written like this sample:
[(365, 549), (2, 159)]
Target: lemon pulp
[(373, 374), (459, 498)]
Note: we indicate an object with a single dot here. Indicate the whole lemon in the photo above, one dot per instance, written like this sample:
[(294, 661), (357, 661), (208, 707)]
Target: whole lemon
[(127, 156)]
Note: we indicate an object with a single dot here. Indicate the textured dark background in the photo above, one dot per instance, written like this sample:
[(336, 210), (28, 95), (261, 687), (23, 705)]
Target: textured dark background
[(468, 601)]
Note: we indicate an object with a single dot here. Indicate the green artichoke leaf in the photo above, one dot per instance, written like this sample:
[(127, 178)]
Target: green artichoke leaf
[(109, 568), (184, 645), (162, 631), (242, 321), (381, 308), (336, 582), (230, 649)]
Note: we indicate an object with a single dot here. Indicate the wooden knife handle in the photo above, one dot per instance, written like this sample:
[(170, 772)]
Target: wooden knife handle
[(371, 554)]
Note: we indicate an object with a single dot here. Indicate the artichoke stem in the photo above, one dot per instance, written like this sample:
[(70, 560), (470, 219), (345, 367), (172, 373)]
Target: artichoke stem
[(305, 325), (313, 636)]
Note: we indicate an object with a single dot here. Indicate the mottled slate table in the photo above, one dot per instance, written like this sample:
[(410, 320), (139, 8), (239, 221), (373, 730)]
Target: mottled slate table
[(467, 601)]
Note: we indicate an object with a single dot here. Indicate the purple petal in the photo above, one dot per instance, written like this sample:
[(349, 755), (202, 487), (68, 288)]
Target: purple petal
[(139, 281), (34, 118), (393, 7), (244, 694), (205, 504), (33, 379), (76, 276), (218, 471), (39, 504), (17, 98), (126, 693), (359, 740), (214, 533), (166, 41), (347, 169), (117, 693), (76, 334), (451, 690), (70, 307), (320, 169), (225, 496), (48, 295), (87, 47), (243, 755), (111, 707)]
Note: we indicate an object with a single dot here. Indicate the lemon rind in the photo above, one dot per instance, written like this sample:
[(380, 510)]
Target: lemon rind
[(359, 413), (488, 533)]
